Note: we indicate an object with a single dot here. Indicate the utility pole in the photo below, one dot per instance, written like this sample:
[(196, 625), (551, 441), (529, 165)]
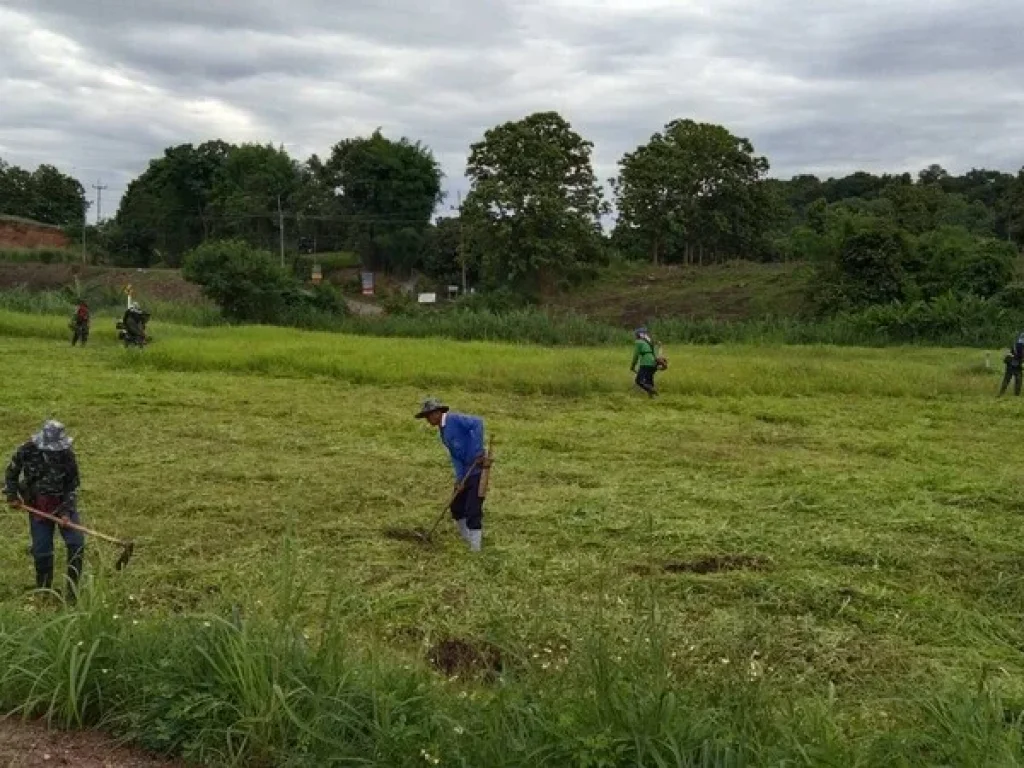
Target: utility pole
[(99, 200), (85, 223), (462, 245), (280, 227)]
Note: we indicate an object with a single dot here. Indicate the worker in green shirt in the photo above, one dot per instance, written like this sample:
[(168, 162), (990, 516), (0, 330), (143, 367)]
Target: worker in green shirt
[(645, 362)]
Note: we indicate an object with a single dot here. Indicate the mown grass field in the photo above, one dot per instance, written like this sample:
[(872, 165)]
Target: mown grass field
[(820, 547)]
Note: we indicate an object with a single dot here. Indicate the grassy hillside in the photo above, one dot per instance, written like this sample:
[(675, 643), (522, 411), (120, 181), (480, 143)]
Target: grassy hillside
[(149, 284), (796, 556), (622, 296), (740, 290)]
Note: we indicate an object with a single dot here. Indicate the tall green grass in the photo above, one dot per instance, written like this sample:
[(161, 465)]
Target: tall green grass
[(40, 255), (531, 370), (265, 689), (950, 322), (108, 304)]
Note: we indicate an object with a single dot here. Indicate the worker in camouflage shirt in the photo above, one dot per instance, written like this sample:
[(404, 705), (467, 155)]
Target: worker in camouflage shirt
[(43, 474), (80, 324)]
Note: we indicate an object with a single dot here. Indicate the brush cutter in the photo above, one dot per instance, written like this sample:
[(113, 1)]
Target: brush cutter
[(127, 545), (485, 475)]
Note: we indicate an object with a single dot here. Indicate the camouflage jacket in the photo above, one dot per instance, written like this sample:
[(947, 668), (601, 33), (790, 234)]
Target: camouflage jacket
[(34, 472)]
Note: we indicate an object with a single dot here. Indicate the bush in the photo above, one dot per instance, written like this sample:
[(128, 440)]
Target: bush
[(326, 298), (1012, 295), (500, 300), (872, 266), (951, 259), (989, 267), (805, 244), (250, 286), (246, 283), (947, 319)]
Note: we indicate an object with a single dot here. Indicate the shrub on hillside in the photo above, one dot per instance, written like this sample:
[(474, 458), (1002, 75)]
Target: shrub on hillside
[(869, 268), (989, 268), (945, 319), (246, 283), (952, 260), (872, 265), (1011, 295)]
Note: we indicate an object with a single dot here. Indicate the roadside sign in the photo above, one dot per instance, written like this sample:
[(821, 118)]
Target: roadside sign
[(367, 283)]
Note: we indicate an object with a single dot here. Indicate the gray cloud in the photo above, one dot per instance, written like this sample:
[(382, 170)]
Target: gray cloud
[(100, 87)]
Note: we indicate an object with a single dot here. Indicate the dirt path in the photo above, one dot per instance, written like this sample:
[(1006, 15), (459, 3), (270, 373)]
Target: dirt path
[(364, 308), (30, 745)]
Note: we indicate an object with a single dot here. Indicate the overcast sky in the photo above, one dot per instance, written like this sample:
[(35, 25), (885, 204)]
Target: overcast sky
[(98, 87)]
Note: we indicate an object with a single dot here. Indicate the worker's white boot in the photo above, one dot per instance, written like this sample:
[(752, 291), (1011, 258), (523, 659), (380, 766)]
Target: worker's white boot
[(463, 530), (476, 540)]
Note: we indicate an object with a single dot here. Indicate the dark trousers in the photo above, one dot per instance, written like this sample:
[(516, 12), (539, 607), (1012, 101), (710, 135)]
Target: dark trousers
[(1011, 373), (469, 506), (80, 334), (645, 378), (42, 544)]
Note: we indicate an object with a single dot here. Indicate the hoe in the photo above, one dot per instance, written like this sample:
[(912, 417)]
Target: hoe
[(127, 545), (427, 537)]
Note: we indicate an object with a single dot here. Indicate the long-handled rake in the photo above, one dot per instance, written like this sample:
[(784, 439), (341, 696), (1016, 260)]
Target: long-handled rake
[(127, 545)]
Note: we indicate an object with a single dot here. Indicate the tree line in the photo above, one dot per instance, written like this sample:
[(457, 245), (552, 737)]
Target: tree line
[(536, 216), (45, 195)]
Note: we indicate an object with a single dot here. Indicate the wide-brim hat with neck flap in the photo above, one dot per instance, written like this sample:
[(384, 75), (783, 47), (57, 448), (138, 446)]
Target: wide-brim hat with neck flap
[(52, 437)]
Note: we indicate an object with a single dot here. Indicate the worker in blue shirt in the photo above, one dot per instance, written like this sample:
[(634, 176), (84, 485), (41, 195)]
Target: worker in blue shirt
[(463, 436)]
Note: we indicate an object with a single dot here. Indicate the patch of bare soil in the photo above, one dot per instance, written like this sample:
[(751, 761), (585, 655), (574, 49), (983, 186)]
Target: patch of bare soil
[(465, 658), (32, 745), (22, 233)]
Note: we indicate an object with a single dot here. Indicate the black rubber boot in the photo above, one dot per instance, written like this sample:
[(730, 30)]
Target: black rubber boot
[(44, 572)]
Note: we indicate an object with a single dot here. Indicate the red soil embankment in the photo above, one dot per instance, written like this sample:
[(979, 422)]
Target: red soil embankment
[(23, 233)]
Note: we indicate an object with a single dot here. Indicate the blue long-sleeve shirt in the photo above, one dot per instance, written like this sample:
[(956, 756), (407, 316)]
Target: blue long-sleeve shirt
[(463, 436)]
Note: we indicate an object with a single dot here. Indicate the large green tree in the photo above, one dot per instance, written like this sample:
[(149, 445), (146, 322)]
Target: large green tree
[(386, 191), (251, 185), (694, 187), (169, 208), (45, 195), (1012, 207), (533, 213)]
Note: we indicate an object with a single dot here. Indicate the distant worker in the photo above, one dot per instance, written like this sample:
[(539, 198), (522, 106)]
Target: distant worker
[(43, 474), (1014, 363), (80, 324), (646, 361), (463, 436), (132, 328)]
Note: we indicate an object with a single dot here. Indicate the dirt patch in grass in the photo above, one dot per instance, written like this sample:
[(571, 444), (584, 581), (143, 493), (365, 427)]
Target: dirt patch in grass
[(31, 745), (706, 564), (718, 564), (465, 658)]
